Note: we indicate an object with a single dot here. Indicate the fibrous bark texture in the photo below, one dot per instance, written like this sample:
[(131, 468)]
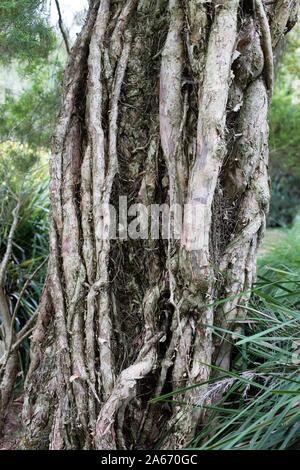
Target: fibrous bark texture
[(164, 102)]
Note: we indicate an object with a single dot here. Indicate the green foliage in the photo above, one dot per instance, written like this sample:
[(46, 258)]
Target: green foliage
[(284, 130), (285, 111), (29, 43), (30, 242), (22, 176), (30, 245), (259, 405), (284, 120), (283, 253), (25, 34), (30, 117), (285, 200), (15, 160), (255, 406)]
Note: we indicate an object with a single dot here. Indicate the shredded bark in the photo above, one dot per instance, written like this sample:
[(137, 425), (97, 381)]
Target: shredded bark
[(165, 103)]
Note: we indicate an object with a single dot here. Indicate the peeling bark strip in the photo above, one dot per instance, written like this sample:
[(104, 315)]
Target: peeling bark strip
[(211, 126), (266, 44), (164, 102), (170, 109)]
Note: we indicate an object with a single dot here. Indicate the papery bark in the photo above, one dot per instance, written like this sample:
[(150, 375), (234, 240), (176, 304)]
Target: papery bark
[(164, 102)]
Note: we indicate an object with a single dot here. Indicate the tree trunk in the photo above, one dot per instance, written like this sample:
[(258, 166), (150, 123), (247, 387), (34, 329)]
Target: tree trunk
[(164, 102), (8, 357)]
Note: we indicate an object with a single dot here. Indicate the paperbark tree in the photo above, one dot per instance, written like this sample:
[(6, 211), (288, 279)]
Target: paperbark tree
[(164, 102), (8, 360), (11, 339)]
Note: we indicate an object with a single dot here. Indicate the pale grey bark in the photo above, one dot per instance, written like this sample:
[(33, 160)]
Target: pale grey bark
[(163, 102)]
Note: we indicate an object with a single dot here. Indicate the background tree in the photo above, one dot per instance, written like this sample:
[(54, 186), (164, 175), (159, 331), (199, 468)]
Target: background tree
[(153, 92), (26, 124), (23, 253), (25, 33)]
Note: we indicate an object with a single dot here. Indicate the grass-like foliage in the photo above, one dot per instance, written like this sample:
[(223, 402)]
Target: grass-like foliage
[(30, 241), (256, 405)]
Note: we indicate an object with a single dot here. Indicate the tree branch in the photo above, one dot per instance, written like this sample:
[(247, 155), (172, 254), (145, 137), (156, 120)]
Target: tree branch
[(61, 27), (4, 306), (5, 260)]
